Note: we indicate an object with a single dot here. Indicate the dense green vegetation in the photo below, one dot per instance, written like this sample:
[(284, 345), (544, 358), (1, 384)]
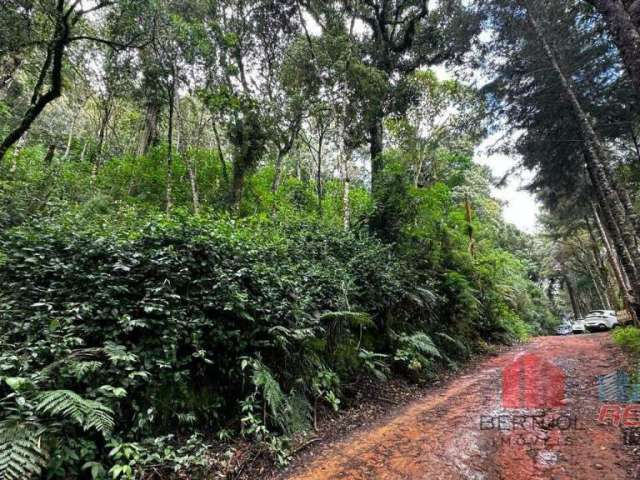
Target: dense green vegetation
[(216, 218), (246, 325), (629, 339)]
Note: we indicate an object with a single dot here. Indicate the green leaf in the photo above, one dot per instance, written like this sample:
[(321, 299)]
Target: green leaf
[(19, 384)]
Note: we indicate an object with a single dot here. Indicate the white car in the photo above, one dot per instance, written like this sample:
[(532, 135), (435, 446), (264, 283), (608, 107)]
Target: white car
[(601, 320), (578, 326)]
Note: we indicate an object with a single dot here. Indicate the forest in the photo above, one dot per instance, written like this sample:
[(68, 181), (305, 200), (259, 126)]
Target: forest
[(220, 218)]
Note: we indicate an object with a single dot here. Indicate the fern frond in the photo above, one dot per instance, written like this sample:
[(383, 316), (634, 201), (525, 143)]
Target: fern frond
[(298, 334), (422, 343), (461, 346), (187, 419), (99, 417), (283, 336), (354, 318), (82, 369), (298, 416), (272, 393), (65, 403), (422, 297), (75, 356), (23, 456)]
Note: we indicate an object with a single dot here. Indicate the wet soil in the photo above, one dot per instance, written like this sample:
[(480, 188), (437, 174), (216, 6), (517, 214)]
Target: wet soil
[(468, 429)]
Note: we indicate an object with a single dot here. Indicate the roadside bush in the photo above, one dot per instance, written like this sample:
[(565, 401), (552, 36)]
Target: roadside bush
[(628, 338), (175, 331), (240, 325)]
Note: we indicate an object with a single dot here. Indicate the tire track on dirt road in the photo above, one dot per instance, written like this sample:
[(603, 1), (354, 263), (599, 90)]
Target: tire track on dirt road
[(440, 436)]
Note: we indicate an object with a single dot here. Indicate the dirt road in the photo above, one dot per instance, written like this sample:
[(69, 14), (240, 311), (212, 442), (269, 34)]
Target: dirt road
[(465, 431)]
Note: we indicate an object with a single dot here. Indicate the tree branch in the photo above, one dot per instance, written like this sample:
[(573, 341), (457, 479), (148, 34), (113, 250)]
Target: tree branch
[(111, 43), (410, 31)]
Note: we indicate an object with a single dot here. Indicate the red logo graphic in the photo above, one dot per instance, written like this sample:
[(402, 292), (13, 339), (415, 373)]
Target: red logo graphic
[(532, 382), (616, 415)]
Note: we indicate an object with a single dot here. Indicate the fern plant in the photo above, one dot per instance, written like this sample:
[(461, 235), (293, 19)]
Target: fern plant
[(36, 421), (374, 363), (22, 452), (415, 350), (289, 412), (457, 344), (66, 404), (338, 324)]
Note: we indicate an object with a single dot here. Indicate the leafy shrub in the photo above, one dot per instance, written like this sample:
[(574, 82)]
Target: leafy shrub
[(202, 322), (628, 338), (36, 420), (207, 327)]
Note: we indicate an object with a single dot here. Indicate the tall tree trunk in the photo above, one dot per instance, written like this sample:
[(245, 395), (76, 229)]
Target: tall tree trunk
[(615, 230), (320, 154), (585, 303), (468, 213), (237, 187), (572, 297), (67, 150), (598, 166), (600, 288), (193, 180), (105, 117), (149, 134), (284, 149), (48, 158), (346, 199), (16, 153), (83, 152), (172, 94), (418, 174), (596, 158), (614, 233), (630, 278), (223, 163), (346, 204), (625, 33), (182, 146), (625, 199), (376, 145), (277, 171), (602, 271), (636, 144), (621, 276)]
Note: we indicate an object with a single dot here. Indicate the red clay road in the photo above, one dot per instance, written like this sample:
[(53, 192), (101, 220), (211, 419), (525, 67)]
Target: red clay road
[(448, 434)]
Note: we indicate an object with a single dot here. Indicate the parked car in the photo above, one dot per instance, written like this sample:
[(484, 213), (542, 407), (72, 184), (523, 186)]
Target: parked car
[(578, 326), (564, 329), (600, 320)]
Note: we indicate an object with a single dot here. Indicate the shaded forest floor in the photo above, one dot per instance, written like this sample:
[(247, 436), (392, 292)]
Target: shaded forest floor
[(445, 433)]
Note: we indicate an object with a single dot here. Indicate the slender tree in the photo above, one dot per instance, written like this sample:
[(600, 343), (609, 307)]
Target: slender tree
[(623, 19)]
